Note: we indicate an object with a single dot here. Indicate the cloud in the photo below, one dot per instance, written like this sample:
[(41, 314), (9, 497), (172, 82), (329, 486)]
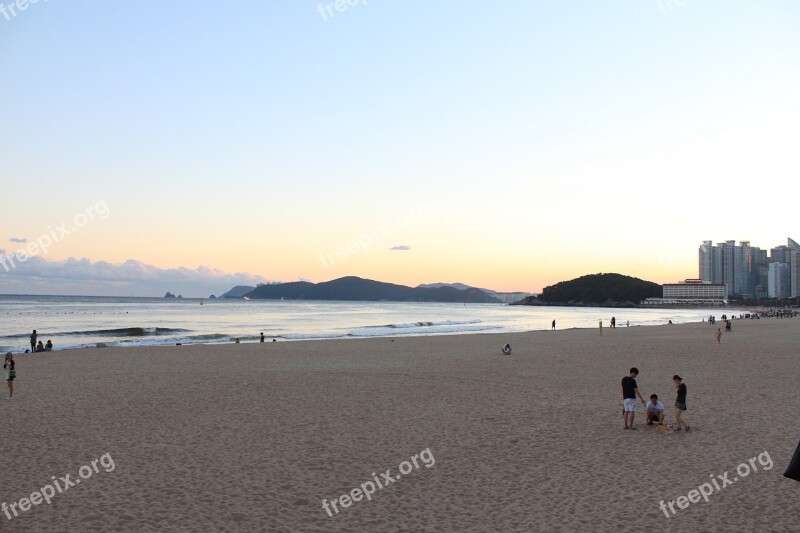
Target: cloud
[(401, 247), (37, 275), (20, 240)]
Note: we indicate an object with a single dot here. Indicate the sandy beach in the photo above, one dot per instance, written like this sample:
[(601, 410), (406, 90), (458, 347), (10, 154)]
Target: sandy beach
[(253, 437)]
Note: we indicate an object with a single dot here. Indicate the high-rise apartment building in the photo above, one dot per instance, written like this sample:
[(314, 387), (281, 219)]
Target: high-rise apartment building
[(779, 254), (779, 280), (744, 269)]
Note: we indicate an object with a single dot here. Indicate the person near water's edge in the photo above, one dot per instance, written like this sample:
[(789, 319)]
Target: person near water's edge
[(10, 374)]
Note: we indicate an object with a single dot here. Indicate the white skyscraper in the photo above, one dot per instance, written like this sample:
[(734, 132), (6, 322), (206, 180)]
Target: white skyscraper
[(779, 280)]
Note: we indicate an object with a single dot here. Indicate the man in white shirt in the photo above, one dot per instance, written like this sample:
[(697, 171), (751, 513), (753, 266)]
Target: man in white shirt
[(655, 410)]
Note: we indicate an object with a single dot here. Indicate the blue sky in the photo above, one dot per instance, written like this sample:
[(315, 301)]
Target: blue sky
[(564, 138)]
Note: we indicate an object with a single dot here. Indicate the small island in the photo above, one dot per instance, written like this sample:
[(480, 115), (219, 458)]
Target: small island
[(596, 290)]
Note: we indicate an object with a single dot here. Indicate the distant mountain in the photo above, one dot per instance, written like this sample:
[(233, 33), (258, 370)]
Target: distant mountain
[(238, 291), (352, 288), (596, 290), (459, 286)]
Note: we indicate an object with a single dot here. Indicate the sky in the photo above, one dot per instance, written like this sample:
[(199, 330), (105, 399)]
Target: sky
[(192, 146)]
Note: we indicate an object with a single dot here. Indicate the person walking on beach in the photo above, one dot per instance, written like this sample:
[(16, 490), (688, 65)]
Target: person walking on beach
[(554, 324), (614, 322), (680, 403), (10, 374), (33, 341), (629, 393), (718, 335), (262, 336)]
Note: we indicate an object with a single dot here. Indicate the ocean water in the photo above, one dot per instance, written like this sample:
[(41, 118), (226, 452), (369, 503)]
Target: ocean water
[(79, 322)]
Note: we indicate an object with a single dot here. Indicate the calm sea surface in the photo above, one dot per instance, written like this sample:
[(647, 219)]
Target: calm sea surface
[(76, 322)]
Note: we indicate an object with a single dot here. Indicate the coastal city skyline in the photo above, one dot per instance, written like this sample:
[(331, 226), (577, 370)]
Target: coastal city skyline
[(750, 271), (522, 145)]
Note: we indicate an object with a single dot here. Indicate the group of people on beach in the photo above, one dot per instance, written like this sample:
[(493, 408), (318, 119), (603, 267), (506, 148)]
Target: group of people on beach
[(654, 408), (39, 347)]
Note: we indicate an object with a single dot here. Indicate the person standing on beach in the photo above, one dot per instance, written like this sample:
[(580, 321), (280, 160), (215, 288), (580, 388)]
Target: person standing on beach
[(614, 322), (262, 336), (680, 403), (33, 341), (554, 324), (629, 393), (718, 335), (10, 374)]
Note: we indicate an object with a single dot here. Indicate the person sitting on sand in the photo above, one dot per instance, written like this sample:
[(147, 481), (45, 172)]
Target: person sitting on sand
[(507, 349), (237, 341), (40, 347), (49, 346), (629, 393), (655, 410)]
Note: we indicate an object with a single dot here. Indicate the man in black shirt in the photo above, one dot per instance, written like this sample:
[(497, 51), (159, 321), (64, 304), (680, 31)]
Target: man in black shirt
[(629, 393)]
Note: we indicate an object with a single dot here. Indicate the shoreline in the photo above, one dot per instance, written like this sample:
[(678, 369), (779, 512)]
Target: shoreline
[(253, 339)]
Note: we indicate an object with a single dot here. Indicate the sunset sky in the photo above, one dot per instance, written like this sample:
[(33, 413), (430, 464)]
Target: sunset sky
[(507, 145)]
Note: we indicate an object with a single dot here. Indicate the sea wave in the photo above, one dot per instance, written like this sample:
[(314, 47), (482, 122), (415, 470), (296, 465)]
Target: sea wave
[(313, 336), (426, 324), (127, 332), (427, 330)]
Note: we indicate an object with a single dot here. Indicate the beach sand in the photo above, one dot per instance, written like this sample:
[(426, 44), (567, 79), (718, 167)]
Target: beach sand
[(252, 437)]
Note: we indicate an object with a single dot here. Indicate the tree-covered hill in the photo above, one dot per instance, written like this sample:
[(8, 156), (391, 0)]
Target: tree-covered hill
[(596, 289)]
